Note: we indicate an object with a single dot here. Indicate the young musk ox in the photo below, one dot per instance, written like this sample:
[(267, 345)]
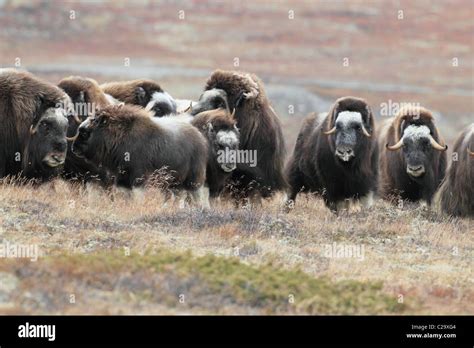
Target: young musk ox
[(87, 97), (260, 130), (33, 118), (456, 194), (132, 145), (336, 156), (145, 93), (220, 130), (412, 159)]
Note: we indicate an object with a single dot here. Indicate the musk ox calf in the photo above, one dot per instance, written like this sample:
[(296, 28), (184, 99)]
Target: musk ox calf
[(87, 97), (222, 135), (412, 156), (260, 130), (336, 156), (33, 118), (456, 194), (145, 93), (132, 145)]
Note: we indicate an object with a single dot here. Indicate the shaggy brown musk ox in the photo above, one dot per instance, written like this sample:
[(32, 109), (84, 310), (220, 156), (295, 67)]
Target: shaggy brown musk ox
[(412, 156), (219, 128), (456, 194), (33, 115), (133, 145), (260, 130), (336, 156)]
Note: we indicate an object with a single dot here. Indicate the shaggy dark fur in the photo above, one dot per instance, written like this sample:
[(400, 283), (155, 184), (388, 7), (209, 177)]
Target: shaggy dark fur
[(210, 124), (260, 130), (456, 194), (395, 181), (33, 126), (140, 92), (131, 144), (315, 165), (87, 97)]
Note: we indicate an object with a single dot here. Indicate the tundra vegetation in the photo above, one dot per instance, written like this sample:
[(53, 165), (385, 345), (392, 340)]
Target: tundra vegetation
[(104, 252)]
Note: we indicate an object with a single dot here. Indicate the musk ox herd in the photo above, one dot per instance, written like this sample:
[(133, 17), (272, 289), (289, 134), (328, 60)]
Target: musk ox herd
[(228, 143)]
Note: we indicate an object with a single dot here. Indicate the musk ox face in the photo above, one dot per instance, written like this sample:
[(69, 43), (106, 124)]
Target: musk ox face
[(83, 141), (48, 137), (210, 100), (225, 143), (350, 133), (162, 104), (418, 146)]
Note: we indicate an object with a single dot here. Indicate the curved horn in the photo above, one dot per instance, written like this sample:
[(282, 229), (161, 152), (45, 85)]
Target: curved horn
[(367, 134), (471, 153), (436, 145), (32, 130), (396, 146), (189, 108), (331, 131), (72, 138), (233, 113)]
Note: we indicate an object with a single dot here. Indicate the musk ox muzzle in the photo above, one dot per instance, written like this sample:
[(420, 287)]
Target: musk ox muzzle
[(345, 153), (416, 170), (54, 159)]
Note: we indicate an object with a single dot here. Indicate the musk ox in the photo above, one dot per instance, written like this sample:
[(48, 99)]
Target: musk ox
[(33, 118), (87, 97), (336, 156), (260, 130), (456, 194), (132, 145), (412, 157), (220, 130), (145, 93)]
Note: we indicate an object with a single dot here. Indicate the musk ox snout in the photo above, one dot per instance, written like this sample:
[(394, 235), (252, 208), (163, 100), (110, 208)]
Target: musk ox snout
[(55, 159), (416, 170), (345, 153), (228, 167)]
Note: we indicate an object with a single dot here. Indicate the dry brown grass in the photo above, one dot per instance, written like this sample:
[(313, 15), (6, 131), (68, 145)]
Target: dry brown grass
[(412, 251)]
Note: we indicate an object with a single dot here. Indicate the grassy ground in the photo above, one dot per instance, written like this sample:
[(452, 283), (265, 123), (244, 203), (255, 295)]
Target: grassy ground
[(121, 253)]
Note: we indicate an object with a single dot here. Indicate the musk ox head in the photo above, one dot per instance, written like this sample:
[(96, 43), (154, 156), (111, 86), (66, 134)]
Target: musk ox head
[(210, 100), (350, 122), (223, 137), (96, 137), (228, 90), (160, 103), (145, 93), (47, 143), (417, 138)]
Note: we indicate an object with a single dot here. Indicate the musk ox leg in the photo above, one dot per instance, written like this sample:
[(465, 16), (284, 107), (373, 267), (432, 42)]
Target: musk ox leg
[(201, 197), (368, 200)]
